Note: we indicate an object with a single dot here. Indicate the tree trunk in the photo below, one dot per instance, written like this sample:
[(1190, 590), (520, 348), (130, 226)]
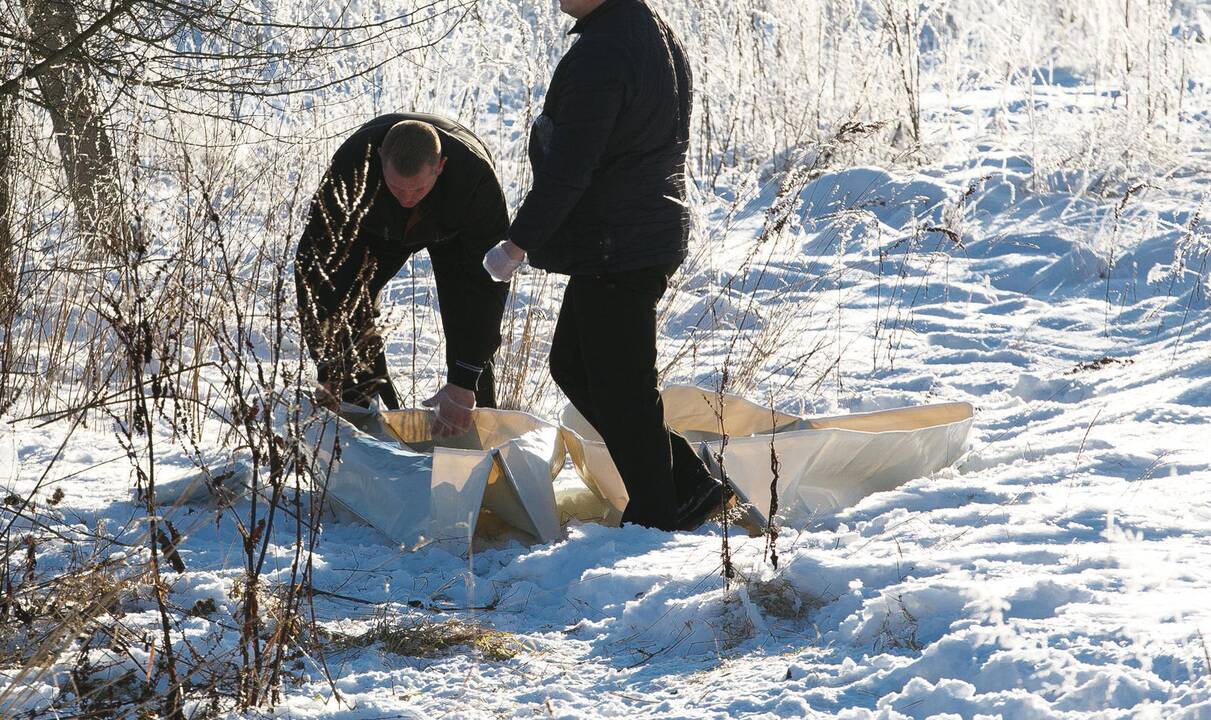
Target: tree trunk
[(7, 256), (70, 95)]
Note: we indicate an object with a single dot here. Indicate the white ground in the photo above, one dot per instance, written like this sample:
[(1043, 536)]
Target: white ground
[(1061, 569)]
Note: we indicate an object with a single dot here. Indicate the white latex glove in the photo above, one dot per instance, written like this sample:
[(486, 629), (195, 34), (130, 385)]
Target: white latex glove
[(453, 406), (503, 260)]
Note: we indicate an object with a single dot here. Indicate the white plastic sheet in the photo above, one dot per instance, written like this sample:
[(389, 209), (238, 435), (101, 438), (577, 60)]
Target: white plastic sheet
[(372, 477), (391, 473), (220, 486), (823, 463)]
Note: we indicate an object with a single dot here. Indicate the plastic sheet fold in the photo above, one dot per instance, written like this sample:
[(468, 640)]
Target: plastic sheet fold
[(822, 463), (393, 474)]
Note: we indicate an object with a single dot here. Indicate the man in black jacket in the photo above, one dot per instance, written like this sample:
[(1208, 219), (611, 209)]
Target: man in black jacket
[(608, 209), (400, 183)]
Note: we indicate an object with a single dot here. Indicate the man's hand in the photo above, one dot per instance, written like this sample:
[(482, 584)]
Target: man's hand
[(453, 406), (503, 260)]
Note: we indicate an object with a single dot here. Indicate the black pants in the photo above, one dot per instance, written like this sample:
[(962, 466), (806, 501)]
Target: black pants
[(351, 358), (603, 357)]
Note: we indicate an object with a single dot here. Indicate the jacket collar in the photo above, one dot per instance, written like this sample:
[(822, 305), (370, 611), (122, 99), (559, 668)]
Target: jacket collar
[(602, 9)]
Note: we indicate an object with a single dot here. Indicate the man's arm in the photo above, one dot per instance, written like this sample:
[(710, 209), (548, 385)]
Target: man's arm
[(471, 302), (330, 251), (591, 96)]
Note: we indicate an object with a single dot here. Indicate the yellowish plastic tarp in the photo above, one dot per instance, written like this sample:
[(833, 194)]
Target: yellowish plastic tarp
[(822, 463), (394, 475)]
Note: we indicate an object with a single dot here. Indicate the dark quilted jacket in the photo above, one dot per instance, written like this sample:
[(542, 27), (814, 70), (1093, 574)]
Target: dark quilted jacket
[(609, 149)]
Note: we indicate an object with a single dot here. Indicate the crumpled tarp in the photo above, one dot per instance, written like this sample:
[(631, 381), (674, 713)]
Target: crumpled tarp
[(823, 463), (391, 472)]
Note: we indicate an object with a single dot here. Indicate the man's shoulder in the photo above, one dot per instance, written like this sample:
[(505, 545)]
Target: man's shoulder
[(457, 139), (476, 148), (373, 131), (452, 131), (596, 57), (355, 151), (617, 41)]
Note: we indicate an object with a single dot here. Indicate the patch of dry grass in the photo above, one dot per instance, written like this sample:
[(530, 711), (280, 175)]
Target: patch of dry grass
[(424, 638), (780, 599)]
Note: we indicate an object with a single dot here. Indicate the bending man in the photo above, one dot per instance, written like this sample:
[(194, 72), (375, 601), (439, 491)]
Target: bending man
[(401, 183)]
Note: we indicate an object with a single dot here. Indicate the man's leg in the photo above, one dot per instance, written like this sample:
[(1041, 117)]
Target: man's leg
[(375, 378), (615, 323), (352, 364), (335, 356), (567, 362), (694, 485), (349, 355), (372, 377), (698, 494)]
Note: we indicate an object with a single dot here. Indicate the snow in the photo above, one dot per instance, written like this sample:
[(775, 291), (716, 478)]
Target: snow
[(1061, 569)]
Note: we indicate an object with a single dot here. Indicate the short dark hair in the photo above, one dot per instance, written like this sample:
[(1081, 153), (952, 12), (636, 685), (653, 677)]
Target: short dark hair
[(411, 146)]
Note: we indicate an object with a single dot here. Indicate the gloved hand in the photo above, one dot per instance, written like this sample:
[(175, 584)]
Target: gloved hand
[(453, 406), (503, 260)]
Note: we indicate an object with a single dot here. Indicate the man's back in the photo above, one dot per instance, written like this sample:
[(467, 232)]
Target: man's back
[(359, 234), (609, 157), (654, 122), (468, 161), (466, 205)]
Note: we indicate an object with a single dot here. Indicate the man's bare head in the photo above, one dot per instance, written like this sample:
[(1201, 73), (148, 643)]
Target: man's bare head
[(411, 146), (411, 155)]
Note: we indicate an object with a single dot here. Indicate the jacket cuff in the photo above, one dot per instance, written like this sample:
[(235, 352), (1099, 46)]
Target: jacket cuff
[(517, 236), (464, 374)]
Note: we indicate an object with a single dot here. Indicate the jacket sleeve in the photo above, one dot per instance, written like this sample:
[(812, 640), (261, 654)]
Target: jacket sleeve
[(331, 249), (471, 302), (591, 92)]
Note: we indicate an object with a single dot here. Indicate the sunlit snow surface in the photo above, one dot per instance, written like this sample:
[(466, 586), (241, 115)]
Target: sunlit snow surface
[(1061, 569)]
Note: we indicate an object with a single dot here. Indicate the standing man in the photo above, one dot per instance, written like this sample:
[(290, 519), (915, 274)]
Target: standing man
[(401, 183), (608, 209)]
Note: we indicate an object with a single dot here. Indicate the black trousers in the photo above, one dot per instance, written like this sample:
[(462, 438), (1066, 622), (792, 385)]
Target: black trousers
[(351, 358), (603, 357)]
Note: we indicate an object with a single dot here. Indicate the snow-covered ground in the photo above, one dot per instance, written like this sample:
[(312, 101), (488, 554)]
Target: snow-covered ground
[(1062, 568)]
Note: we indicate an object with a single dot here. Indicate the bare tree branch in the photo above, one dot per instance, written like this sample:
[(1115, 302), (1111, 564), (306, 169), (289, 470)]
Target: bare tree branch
[(71, 46)]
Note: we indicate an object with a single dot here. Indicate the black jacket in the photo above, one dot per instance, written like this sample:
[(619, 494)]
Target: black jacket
[(358, 237), (609, 149)]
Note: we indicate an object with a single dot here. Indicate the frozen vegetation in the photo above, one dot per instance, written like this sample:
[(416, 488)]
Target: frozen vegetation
[(895, 204)]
